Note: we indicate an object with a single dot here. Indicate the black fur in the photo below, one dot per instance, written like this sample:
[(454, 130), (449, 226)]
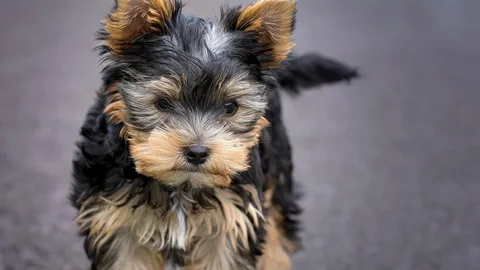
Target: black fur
[(310, 70)]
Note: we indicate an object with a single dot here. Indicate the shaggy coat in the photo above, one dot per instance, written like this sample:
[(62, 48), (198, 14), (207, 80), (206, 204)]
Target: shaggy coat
[(184, 160)]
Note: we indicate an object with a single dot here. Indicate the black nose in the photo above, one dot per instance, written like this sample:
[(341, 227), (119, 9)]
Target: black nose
[(196, 154)]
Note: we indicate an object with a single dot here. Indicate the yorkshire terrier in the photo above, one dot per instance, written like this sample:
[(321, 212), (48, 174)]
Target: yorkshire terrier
[(184, 160)]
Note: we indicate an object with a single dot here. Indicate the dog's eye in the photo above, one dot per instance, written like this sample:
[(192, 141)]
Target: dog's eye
[(230, 108), (163, 104)]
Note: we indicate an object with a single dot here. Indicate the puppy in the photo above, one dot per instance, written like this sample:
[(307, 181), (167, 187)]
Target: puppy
[(184, 160)]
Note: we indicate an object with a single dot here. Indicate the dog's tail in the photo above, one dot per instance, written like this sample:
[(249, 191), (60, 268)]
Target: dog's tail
[(311, 70)]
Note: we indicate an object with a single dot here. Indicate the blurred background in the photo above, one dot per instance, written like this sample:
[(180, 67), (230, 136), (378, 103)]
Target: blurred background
[(390, 163)]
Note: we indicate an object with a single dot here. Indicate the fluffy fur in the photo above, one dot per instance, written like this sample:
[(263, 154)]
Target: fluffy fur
[(172, 82)]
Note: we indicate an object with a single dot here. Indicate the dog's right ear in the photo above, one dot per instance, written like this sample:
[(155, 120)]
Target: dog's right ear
[(130, 19)]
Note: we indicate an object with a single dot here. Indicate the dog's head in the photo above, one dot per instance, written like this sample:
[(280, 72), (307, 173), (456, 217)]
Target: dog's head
[(191, 93)]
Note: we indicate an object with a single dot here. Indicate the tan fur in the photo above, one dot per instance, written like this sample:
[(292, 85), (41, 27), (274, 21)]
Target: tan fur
[(274, 257), (159, 154), (167, 86), (134, 17), (272, 19), (277, 247), (125, 253), (116, 109), (275, 213), (211, 237), (289, 245), (227, 233)]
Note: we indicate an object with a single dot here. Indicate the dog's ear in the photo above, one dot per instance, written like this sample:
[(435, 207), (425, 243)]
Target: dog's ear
[(130, 19), (271, 21)]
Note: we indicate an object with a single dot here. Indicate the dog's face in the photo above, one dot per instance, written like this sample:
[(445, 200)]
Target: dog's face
[(191, 93)]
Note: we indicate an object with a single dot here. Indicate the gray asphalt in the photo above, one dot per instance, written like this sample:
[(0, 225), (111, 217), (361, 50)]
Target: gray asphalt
[(389, 164)]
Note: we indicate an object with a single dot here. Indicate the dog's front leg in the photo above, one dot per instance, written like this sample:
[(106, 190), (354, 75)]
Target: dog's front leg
[(123, 252), (274, 256), (217, 253)]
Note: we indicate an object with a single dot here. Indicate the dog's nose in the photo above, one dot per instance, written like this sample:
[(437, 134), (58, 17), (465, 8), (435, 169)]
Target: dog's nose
[(196, 154)]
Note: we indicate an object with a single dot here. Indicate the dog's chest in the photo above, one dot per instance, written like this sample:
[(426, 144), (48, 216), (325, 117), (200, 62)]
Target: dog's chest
[(178, 228)]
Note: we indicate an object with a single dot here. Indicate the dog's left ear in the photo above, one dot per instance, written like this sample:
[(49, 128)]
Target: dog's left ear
[(272, 22)]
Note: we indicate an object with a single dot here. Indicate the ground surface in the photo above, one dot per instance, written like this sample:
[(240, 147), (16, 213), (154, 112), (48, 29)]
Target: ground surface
[(389, 164)]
